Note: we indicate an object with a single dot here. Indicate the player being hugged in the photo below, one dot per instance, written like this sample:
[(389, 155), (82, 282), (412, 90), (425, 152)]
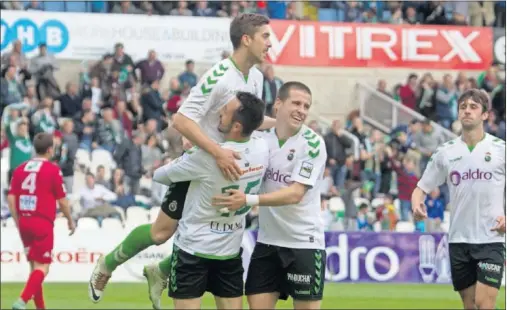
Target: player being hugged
[(473, 166), (289, 257), (35, 189), (197, 120)]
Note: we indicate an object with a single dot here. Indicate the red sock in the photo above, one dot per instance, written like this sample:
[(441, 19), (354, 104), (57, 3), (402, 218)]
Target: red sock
[(38, 299), (33, 285)]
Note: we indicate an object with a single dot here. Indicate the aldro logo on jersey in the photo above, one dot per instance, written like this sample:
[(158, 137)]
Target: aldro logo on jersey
[(457, 177)]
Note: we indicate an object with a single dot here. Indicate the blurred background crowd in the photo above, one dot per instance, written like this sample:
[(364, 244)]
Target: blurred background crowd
[(112, 129)]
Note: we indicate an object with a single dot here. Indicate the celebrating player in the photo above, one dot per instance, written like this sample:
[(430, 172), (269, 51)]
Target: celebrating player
[(473, 165), (198, 116), (207, 245), (289, 257), (36, 187)]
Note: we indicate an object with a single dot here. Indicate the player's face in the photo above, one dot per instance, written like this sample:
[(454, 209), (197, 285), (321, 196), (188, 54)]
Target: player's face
[(471, 114), (226, 115), (295, 108), (260, 43)]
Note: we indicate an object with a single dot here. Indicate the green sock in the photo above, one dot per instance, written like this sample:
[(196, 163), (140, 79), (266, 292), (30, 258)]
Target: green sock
[(165, 266), (138, 240)]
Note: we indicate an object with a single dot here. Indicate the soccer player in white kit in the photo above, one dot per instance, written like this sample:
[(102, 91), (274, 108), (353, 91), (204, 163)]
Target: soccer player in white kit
[(289, 257), (207, 244), (197, 120), (473, 166)]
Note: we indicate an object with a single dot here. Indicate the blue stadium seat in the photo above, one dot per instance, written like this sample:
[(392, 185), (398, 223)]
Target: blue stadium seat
[(76, 6), (386, 15), (341, 15), (99, 6), (54, 6), (328, 15)]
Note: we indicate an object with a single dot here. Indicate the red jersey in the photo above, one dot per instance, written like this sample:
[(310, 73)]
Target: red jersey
[(37, 185)]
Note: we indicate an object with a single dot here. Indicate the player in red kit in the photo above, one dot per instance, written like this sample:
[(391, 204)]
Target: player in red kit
[(36, 187)]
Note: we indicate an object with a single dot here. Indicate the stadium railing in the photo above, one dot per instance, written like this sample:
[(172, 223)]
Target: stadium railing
[(385, 113)]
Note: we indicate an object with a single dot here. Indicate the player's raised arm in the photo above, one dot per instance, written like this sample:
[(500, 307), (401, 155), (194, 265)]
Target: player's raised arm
[(193, 165), (433, 176)]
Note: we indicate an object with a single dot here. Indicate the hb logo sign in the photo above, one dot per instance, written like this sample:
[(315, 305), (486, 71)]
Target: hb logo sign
[(52, 32)]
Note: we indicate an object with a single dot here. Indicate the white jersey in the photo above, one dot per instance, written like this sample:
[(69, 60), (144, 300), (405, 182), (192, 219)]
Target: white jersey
[(215, 89), (203, 230), (476, 181), (302, 159)]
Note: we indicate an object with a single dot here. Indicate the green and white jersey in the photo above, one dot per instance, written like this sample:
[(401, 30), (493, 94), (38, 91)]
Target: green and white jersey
[(215, 89), (476, 181), (203, 230), (302, 159)]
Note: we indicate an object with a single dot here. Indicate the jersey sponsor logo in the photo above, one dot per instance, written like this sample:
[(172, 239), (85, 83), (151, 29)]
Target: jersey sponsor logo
[(299, 278), (456, 177), (306, 169), (250, 169), (275, 175), (490, 267), (27, 203), (456, 159), (225, 228)]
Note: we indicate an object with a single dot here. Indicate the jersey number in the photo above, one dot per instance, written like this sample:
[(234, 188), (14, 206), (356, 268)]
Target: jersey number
[(244, 209), (29, 183)]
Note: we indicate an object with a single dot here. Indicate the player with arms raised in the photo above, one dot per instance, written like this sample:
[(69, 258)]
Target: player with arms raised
[(289, 257), (473, 166), (198, 120), (36, 187), (207, 244)]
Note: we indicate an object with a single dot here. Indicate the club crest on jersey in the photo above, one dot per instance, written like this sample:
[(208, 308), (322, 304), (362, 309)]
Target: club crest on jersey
[(291, 154), (173, 205), (306, 169), (487, 158)]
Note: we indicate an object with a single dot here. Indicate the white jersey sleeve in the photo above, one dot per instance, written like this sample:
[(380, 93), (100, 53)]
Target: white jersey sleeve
[(435, 173), (188, 167), (308, 168)]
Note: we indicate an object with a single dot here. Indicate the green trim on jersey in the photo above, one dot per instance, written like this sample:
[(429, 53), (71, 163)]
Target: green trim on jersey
[(216, 257), (238, 141), (212, 79), (313, 141), (21, 147), (281, 142), (245, 76), (472, 147)]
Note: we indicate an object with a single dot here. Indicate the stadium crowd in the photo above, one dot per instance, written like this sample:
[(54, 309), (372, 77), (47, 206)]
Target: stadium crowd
[(113, 128)]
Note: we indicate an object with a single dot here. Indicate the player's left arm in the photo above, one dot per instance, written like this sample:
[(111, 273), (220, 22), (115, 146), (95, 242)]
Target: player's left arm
[(11, 197), (193, 165)]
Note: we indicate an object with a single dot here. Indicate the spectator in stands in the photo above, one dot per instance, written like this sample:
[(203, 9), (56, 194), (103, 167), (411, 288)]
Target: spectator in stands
[(94, 93), (151, 154), (181, 9), (163, 7), (70, 102), (446, 102), (386, 214), (42, 67), (427, 141), (19, 61), (31, 97), (102, 70), (481, 13), (433, 12), (382, 88), (336, 147), (364, 221), (436, 207), (129, 156), (116, 180), (34, 6), (408, 92), (95, 198), (353, 10), (85, 130), (234, 10), (124, 199), (500, 14), (490, 81), (411, 15), (125, 7), (175, 99), (188, 78), (44, 120), (314, 125), (69, 147), (407, 181), (327, 188), (125, 117), (11, 5), (370, 16), (122, 60), (346, 193), (150, 69), (425, 94), (152, 103), (366, 151), (202, 9), (270, 90), (174, 141), (108, 132), (386, 170), (11, 90), (16, 130), (100, 177), (491, 124)]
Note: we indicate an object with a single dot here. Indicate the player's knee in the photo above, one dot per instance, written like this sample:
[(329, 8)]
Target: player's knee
[(159, 236), (42, 267)]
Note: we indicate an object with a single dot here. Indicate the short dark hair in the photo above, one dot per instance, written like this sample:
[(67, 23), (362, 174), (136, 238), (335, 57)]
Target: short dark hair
[(245, 24), (477, 95), (42, 142), (283, 93), (250, 114)]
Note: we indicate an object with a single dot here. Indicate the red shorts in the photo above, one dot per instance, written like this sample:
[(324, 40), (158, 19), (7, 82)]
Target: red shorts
[(38, 239)]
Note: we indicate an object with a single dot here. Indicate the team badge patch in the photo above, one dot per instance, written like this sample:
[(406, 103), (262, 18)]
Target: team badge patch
[(291, 154), (487, 158), (173, 206), (306, 169)]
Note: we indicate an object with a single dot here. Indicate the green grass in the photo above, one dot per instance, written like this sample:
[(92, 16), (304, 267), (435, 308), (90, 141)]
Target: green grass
[(336, 296)]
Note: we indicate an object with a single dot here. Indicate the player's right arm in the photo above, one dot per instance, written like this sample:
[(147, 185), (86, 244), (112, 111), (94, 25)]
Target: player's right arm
[(433, 176), (193, 165), (186, 121), (14, 188), (61, 196)]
